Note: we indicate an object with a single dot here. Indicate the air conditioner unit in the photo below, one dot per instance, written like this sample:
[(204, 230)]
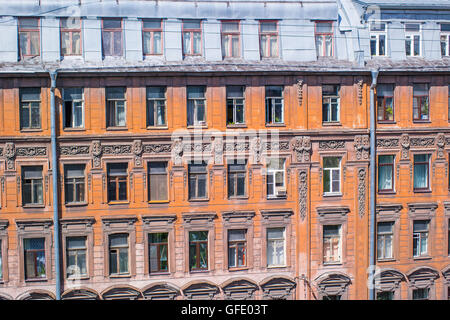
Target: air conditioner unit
[(280, 192)]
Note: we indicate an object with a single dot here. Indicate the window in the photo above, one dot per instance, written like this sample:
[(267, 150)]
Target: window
[(331, 243), (385, 237), (156, 106), (192, 37), (421, 294), (237, 248), (196, 105), (197, 181), (70, 36), (385, 102), (276, 186), (32, 186), (377, 39), (448, 239), (198, 250), (421, 110), (275, 247), (157, 181), (268, 33), (449, 103), (115, 107), (151, 32), (274, 105), (76, 257), (385, 295), (158, 252), (330, 103), (29, 40), (332, 297), (412, 39), (1, 261), (30, 108), (112, 37), (34, 254), (230, 39), (237, 173), (117, 182), (331, 175), (235, 105), (421, 172), (74, 183), (420, 238), (385, 173), (73, 107), (445, 39), (324, 38), (118, 254)]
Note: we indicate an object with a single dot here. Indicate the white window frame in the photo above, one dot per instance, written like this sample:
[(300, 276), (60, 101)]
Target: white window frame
[(339, 258), (332, 169), (277, 240), (377, 34), (445, 34), (73, 111), (273, 172), (410, 35), (420, 235)]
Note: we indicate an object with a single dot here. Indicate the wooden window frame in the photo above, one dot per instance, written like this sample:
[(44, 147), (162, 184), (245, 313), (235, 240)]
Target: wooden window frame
[(420, 98), (377, 34), (71, 31), (274, 172), (118, 248), (337, 260), (236, 244), (278, 240), (197, 250), (75, 183), (269, 36), (112, 31), (383, 100), (392, 165), (427, 163), (149, 181), (323, 35), (28, 31), (27, 104), (236, 173), (152, 34), (72, 127), (327, 99), (383, 236), (195, 174), (36, 252), (194, 102), (421, 235), (116, 179), (232, 104), (158, 245), (228, 52), (191, 32), (111, 105), (270, 102), (33, 185), (156, 102), (410, 36), (339, 168), (67, 251)]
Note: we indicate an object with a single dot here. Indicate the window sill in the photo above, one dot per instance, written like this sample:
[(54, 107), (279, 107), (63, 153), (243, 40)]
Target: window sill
[(154, 274), (158, 201), (386, 122), (37, 280), (276, 198), (197, 126), (237, 125), (422, 258), (198, 200), (31, 130), (386, 260), (332, 124), (234, 269), (118, 202), (331, 264), (78, 204), (77, 278), (387, 193), (74, 129), (199, 271), (238, 198), (277, 267), (157, 127), (422, 191), (275, 125), (120, 276), (116, 128), (330, 195), (421, 121), (33, 206)]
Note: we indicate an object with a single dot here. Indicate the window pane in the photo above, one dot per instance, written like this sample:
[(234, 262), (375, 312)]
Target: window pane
[(191, 24), (112, 23), (234, 235), (118, 240), (230, 26), (324, 27), (152, 24), (268, 26)]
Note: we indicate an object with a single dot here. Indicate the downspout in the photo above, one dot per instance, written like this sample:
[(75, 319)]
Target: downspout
[(372, 184), (56, 236)]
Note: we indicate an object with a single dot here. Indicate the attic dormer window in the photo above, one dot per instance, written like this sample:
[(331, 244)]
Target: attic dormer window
[(445, 39), (268, 32), (412, 39), (192, 37), (324, 38), (377, 39)]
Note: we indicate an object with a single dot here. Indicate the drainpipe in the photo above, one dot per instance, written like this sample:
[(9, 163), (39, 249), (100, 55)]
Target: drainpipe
[(56, 236), (372, 183)]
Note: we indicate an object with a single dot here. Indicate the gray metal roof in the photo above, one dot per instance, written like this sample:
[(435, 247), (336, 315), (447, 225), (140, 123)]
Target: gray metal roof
[(406, 3)]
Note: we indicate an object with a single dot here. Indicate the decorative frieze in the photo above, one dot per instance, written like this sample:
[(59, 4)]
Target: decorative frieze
[(117, 149), (422, 142), (362, 147), (360, 91), (73, 150), (361, 191), (276, 146), (331, 144), (388, 143), (302, 148), (236, 146), (303, 193), (31, 151), (157, 148)]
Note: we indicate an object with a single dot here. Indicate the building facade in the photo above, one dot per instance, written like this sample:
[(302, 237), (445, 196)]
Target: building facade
[(220, 150)]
